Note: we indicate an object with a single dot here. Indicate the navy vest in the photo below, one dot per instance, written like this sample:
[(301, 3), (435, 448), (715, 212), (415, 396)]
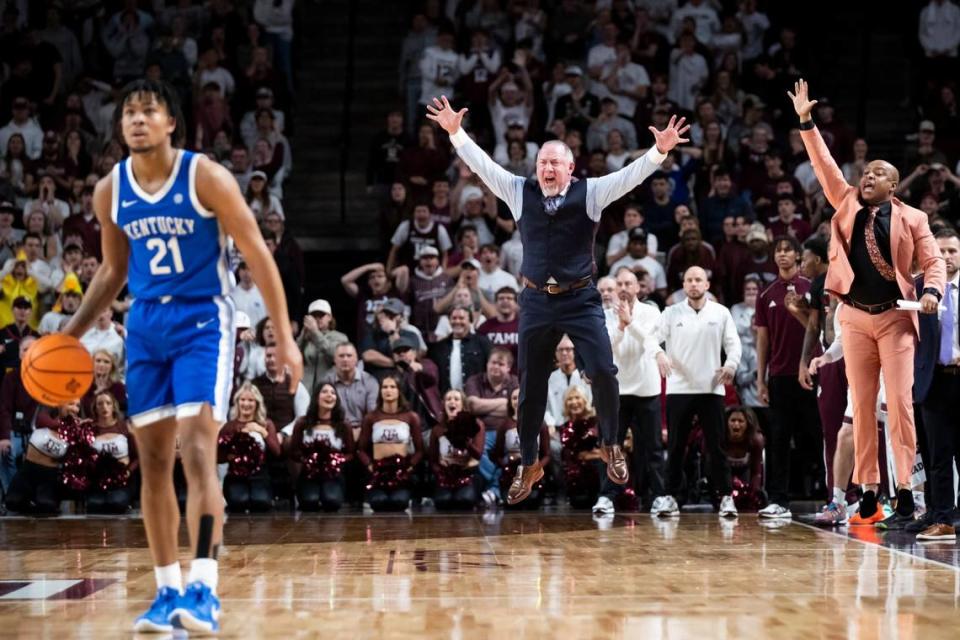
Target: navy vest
[(559, 245)]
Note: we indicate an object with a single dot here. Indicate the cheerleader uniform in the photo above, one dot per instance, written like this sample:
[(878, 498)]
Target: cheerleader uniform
[(35, 489), (113, 441), (255, 492), (383, 436), (326, 493), (450, 461)]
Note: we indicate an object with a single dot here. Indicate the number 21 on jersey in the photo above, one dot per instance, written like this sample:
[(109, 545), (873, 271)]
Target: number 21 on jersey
[(161, 248)]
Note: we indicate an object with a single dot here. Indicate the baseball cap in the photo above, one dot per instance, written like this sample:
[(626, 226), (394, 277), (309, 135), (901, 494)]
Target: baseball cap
[(22, 302), (427, 250), (757, 232), (472, 263), (573, 70), (8, 207), (243, 320), (258, 174), (927, 125), (404, 342), (320, 306), (264, 92), (394, 306), (637, 234)]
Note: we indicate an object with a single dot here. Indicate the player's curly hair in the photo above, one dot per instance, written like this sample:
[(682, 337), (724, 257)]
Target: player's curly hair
[(164, 94)]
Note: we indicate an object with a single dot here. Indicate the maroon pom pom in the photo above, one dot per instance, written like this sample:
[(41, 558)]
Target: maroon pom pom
[(321, 461), (244, 455), (111, 473), (390, 473)]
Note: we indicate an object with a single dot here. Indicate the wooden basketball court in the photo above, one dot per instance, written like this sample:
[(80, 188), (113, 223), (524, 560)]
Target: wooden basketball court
[(496, 577)]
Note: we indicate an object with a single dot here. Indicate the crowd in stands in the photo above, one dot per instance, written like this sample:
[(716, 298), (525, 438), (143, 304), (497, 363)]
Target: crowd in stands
[(419, 403)]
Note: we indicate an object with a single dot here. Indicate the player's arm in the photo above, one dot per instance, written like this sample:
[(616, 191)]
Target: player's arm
[(112, 274), (217, 185)]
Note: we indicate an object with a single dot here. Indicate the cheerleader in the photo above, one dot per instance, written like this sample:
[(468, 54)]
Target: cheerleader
[(321, 443), (583, 469), (247, 486), (111, 488), (743, 446), (506, 453), (106, 377), (456, 447), (387, 436), (35, 489)]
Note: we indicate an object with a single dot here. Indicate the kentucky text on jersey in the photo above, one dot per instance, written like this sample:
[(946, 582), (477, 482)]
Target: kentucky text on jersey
[(177, 247), (154, 225)]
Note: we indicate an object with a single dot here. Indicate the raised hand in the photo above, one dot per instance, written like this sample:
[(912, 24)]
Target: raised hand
[(671, 135), (802, 103), (443, 114)]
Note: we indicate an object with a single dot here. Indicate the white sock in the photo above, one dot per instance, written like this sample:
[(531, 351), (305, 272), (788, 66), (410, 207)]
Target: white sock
[(919, 501), (205, 571), (169, 576), (839, 496)]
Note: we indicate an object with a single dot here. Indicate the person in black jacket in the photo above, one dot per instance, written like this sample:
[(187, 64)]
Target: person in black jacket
[(462, 353)]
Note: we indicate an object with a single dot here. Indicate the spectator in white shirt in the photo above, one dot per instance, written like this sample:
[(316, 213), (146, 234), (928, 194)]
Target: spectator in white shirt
[(565, 376), (491, 277), (26, 126), (248, 124), (695, 331), (71, 295), (940, 29), (755, 25), (209, 70), (704, 16), (617, 245), (633, 327), (638, 255), (688, 73), (55, 209), (247, 297), (439, 68), (608, 121), (602, 58), (510, 98), (103, 336), (627, 81)]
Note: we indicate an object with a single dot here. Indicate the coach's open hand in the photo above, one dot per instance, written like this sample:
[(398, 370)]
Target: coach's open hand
[(444, 115), (670, 137)]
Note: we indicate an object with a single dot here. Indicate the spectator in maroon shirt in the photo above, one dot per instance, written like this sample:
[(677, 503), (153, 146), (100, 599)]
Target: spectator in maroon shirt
[(419, 166), (788, 221), (503, 330), (793, 409), (487, 395), (370, 294), (85, 223), (731, 254), (428, 284), (692, 253)]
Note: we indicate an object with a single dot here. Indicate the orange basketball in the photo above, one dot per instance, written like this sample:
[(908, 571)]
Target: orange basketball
[(56, 369)]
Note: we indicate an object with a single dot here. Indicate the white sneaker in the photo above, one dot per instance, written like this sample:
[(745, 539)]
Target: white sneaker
[(604, 505), (728, 509), (665, 506), (775, 511)]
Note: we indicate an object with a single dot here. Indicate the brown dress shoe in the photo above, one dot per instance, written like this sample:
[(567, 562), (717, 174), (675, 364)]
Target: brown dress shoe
[(938, 531), (523, 482), (617, 469)]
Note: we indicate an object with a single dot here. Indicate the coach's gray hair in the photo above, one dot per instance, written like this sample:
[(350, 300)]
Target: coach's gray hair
[(567, 151)]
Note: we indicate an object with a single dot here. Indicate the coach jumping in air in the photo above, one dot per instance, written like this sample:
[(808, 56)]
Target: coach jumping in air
[(558, 217)]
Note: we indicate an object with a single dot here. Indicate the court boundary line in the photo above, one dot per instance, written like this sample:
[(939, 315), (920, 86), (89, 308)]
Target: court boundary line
[(837, 534)]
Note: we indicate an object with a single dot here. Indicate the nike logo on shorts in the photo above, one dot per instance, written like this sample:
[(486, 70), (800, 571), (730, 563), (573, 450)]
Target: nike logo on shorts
[(201, 325)]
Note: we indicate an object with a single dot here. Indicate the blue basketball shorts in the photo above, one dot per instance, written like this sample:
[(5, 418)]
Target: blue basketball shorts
[(179, 357)]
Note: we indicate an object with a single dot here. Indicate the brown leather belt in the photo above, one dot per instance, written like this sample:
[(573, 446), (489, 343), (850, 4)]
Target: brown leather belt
[(872, 309), (557, 289), (948, 369)]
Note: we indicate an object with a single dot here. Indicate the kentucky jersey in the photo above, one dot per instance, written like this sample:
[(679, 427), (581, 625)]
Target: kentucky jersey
[(177, 247), (180, 330)]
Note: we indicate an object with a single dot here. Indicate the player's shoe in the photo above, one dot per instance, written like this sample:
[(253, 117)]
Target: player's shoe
[(832, 515), (774, 511), (157, 617), (859, 520), (197, 610)]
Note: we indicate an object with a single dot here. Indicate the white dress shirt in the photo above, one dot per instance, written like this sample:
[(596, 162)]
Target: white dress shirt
[(939, 30), (693, 342), (509, 188), (635, 350), (456, 366)]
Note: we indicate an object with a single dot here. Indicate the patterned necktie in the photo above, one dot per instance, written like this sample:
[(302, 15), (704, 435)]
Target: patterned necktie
[(948, 326), (552, 203), (883, 267)]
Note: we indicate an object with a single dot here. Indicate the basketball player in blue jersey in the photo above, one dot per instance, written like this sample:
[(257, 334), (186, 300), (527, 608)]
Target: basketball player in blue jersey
[(165, 214)]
